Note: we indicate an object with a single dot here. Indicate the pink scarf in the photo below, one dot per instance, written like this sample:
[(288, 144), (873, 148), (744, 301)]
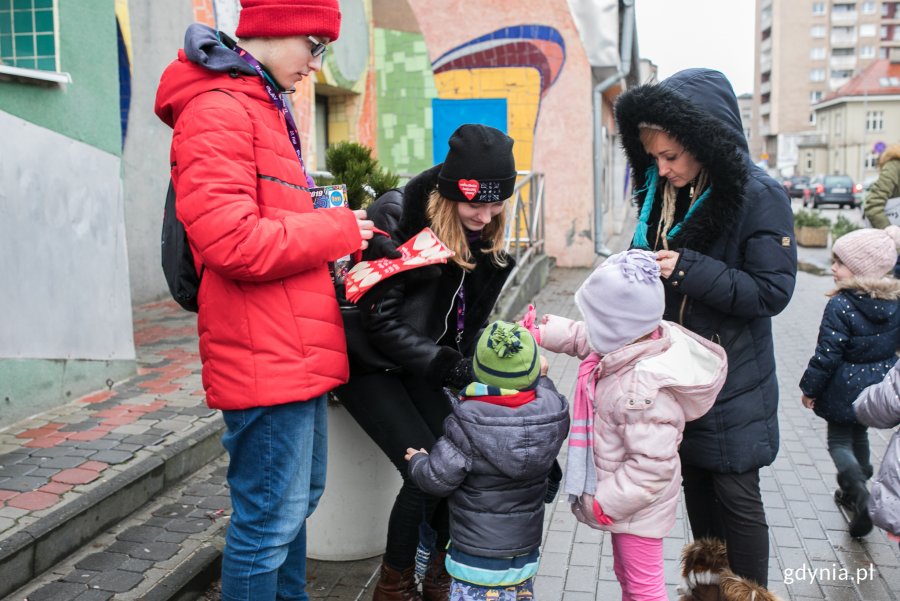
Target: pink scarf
[(581, 474)]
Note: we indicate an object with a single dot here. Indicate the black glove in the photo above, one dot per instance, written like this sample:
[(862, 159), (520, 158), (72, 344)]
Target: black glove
[(553, 480), (460, 375), (381, 246)]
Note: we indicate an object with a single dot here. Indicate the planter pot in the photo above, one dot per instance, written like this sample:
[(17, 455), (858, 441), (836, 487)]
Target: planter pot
[(350, 522), (812, 236)]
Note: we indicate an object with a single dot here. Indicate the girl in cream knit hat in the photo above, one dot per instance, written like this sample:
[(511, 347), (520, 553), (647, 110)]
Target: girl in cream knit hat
[(857, 345)]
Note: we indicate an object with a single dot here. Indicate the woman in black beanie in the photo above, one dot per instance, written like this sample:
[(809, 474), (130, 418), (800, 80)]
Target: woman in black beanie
[(419, 331)]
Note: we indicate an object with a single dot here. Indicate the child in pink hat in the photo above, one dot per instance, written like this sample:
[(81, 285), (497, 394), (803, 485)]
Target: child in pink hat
[(640, 380), (857, 345)]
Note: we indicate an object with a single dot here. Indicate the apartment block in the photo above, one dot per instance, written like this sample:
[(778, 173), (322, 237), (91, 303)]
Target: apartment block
[(806, 50)]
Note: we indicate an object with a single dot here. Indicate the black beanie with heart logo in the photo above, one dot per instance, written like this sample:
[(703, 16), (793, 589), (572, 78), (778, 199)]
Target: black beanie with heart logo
[(479, 167)]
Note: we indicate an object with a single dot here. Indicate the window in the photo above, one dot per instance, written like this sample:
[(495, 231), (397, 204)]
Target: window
[(874, 120), (868, 8), (841, 73), (843, 8), (815, 96), (867, 52), (817, 75), (817, 53), (28, 34), (867, 30), (812, 118), (871, 160), (808, 161), (818, 31), (818, 8)]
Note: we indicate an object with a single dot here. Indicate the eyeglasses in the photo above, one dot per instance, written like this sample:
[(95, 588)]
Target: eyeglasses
[(318, 48)]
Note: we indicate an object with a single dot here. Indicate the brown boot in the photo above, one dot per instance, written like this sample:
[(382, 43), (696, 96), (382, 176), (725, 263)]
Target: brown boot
[(436, 584), (394, 585)]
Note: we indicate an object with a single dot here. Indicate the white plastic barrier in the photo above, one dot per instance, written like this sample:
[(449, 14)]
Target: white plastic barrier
[(360, 487)]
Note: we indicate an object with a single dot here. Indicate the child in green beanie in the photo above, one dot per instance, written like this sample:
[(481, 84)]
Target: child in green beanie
[(494, 463)]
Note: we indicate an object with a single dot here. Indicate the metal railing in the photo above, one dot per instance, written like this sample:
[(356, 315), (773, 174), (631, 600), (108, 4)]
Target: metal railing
[(525, 222)]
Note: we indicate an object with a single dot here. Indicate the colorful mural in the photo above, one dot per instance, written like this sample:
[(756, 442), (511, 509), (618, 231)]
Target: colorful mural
[(518, 64), (405, 89), (123, 31)]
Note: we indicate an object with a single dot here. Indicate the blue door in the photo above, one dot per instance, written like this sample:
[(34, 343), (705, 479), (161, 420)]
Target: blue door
[(447, 115)]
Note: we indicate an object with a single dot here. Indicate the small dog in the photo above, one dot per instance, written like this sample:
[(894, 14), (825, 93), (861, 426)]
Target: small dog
[(706, 576)]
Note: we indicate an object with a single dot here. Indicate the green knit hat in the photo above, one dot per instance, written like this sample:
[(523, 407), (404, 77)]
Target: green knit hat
[(506, 357)]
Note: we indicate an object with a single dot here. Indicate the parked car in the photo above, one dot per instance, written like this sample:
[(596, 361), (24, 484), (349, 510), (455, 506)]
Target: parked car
[(831, 189), (795, 185)]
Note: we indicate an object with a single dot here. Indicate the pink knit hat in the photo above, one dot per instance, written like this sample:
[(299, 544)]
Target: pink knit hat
[(622, 300), (284, 18), (868, 253)]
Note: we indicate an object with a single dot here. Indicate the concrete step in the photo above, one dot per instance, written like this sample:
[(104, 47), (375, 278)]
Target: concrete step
[(69, 474), (169, 549)]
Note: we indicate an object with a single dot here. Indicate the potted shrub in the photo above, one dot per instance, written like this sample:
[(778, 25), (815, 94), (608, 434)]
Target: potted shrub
[(842, 226), (811, 228), (351, 164)]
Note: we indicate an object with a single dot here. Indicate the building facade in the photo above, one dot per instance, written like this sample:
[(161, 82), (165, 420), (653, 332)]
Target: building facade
[(804, 52), (66, 323), (854, 125), (85, 163)]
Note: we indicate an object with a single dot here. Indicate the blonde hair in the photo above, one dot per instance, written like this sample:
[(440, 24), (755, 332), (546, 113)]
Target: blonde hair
[(443, 216), (648, 133)]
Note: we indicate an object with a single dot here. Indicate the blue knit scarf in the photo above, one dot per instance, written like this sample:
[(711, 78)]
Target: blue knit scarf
[(640, 232)]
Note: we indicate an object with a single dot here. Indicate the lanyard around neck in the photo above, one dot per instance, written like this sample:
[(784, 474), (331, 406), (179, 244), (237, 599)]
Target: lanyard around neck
[(278, 101)]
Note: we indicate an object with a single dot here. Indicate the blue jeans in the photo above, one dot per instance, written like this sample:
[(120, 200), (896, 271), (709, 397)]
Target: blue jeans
[(276, 472), (848, 445)]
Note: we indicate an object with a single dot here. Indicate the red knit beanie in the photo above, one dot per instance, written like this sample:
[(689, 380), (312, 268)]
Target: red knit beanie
[(284, 18)]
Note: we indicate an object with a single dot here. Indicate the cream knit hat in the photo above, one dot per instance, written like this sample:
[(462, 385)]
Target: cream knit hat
[(868, 252)]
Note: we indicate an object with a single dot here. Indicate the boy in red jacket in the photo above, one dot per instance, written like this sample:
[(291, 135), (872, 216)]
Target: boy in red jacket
[(271, 334)]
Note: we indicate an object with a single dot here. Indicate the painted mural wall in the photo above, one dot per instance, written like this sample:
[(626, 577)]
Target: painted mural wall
[(526, 54), (68, 326)]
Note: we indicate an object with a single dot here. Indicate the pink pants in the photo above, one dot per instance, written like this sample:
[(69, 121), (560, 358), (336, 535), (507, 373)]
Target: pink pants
[(638, 564)]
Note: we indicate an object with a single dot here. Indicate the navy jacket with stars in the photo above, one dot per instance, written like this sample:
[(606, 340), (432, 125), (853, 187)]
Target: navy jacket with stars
[(857, 346)]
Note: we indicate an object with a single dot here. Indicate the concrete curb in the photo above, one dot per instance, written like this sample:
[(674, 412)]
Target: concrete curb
[(191, 578)]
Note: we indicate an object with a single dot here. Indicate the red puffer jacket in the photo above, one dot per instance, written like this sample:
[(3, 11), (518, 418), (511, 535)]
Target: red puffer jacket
[(270, 328)]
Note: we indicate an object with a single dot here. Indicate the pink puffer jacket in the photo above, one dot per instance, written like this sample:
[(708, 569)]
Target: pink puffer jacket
[(645, 392)]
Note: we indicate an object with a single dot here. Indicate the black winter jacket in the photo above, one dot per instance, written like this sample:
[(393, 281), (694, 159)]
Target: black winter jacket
[(411, 318), (493, 463), (857, 346), (737, 263)]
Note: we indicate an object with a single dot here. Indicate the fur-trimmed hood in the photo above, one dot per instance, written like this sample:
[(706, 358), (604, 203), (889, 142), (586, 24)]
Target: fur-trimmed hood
[(867, 295), (886, 288), (699, 109), (891, 153)]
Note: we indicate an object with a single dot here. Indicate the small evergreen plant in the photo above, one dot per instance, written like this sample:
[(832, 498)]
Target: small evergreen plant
[(842, 226), (810, 218), (351, 164)]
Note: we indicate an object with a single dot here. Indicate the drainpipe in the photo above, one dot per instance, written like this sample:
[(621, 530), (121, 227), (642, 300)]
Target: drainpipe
[(625, 51)]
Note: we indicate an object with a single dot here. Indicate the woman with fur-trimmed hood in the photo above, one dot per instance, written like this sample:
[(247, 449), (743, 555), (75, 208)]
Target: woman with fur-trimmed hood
[(857, 346), (723, 232)]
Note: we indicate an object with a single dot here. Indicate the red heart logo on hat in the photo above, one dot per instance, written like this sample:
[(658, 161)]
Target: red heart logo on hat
[(469, 187)]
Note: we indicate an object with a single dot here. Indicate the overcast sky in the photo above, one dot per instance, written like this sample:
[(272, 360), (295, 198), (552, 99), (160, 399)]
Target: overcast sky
[(677, 34)]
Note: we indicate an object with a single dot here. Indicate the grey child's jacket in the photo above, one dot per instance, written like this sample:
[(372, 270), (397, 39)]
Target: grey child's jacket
[(493, 462), (879, 406)]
